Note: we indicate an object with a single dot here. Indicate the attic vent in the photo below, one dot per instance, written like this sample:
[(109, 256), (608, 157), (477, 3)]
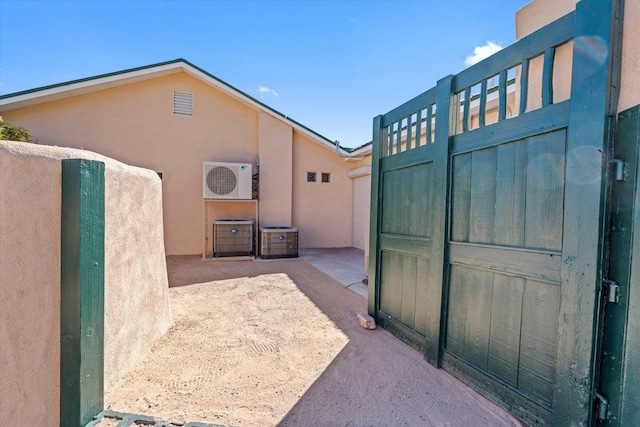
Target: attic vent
[(182, 104)]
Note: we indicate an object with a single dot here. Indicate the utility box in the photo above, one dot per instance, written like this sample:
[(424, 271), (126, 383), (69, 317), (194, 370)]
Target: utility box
[(232, 238), (278, 242)]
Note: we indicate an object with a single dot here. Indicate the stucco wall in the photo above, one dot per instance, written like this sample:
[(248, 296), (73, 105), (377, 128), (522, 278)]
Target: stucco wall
[(136, 288), (29, 289), (276, 169), (321, 211), (137, 307), (539, 13)]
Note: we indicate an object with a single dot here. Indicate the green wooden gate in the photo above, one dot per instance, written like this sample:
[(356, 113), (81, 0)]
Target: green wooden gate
[(488, 218)]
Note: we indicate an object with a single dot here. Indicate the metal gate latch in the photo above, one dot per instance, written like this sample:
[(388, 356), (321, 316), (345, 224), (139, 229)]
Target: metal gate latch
[(602, 408), (614, 292)]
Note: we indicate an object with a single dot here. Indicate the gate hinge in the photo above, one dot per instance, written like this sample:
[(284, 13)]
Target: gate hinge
[(619, 165), (602, 406), (613, 294)]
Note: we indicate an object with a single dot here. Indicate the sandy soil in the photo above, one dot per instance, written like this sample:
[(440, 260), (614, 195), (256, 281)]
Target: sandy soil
[(278, 343)]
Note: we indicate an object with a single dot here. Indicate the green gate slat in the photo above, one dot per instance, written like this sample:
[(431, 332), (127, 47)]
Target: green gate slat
[(468, 320), (511, 186), (547, 77), (392, 139), (466, 108), (82, 292), (538, 339), (483, 195), (399, 137), (506, 317), (483, 103), (428, 127), (524, 85), (502, 95), (409, 137), (461, 198), (418, 126), (545, 190)]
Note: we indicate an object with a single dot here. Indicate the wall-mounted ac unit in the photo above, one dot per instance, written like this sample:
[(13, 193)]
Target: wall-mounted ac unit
[(226, 180)]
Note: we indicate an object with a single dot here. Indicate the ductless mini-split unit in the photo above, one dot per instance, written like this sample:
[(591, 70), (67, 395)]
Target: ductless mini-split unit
[(227, 180)]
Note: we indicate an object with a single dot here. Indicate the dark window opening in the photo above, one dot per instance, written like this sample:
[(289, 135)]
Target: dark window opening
[(311, 177), (326, 177)]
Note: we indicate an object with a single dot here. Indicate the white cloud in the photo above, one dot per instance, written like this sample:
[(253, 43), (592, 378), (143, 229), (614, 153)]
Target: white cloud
[(482, 52), (266, 91)]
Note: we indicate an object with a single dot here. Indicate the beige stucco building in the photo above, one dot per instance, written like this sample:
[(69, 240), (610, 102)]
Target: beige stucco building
[(172, 117)]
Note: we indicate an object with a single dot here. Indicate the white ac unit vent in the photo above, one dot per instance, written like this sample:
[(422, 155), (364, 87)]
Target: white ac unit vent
[(183, 104), (227, 180)]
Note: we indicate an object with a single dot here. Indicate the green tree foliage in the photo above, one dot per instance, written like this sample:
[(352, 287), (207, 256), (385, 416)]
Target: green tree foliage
[(9, 132)]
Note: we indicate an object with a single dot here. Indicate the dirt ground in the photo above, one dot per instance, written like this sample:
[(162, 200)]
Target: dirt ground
[(277, 342)]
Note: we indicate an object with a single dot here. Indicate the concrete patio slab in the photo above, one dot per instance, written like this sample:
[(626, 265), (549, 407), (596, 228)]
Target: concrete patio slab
[(346, 265)]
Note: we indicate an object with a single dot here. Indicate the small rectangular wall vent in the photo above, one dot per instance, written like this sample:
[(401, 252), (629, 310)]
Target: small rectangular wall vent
[(182, 104)]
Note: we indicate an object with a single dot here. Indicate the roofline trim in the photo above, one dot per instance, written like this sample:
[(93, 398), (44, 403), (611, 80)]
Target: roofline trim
[(89, 80), (363, 150)]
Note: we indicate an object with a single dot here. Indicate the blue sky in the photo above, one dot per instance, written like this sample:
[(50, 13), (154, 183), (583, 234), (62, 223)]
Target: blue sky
[(330, 65)]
